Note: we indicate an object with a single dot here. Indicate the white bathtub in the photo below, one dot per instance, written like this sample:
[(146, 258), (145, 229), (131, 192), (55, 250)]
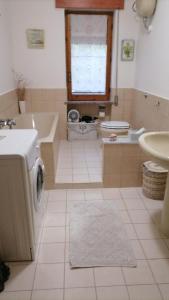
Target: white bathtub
[(48, 137), (45, 123)]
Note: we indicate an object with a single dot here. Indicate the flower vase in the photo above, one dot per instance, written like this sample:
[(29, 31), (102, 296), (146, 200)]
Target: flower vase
[(22, 107)]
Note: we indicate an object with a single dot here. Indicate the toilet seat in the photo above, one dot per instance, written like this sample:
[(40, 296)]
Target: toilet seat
[(115, 125)]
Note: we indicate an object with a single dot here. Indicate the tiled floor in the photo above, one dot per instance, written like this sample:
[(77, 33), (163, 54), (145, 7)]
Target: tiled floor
[(79, 162), (50, 277)]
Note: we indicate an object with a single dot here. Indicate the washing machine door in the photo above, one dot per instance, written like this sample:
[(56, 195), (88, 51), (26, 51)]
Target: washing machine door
[(38, 183)]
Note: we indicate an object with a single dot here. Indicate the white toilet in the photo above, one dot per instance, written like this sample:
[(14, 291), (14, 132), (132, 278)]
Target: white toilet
[(117, 127)]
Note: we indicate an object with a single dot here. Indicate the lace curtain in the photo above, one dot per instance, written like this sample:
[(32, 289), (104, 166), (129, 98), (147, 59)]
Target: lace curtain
[(88, 53)]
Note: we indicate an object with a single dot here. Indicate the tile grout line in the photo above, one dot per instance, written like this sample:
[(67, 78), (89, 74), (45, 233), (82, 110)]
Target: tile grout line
[(95, 287), (38, 250), (64, 276)]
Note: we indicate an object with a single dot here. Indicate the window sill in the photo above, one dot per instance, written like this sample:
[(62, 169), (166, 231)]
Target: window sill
[(89, 102)]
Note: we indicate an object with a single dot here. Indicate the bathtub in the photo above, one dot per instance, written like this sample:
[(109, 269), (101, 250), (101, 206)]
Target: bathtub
[(47, 125)]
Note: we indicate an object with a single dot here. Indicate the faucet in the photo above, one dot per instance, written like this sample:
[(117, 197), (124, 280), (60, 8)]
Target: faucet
[(7, 122), (3, 123), (10, 123)]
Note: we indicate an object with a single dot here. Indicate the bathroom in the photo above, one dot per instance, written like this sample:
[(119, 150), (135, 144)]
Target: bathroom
[(143, 92)]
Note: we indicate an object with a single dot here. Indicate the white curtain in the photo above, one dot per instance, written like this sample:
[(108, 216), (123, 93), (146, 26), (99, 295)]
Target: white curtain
[(88, 53)]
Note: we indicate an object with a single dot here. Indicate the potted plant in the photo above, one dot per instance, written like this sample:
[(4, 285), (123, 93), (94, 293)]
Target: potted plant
[(21, 83)]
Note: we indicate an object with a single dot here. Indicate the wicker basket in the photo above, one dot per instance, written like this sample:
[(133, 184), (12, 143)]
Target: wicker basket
[(154, 180)]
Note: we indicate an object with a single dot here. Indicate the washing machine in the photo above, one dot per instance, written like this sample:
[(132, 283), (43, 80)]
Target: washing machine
[(22, 197)]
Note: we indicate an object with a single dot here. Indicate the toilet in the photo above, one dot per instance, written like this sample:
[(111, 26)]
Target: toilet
[(117, 127)]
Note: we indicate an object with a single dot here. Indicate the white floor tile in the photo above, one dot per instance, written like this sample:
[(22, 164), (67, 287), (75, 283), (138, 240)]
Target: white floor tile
[(147, 231), (51, 253), (112, 293), (53, 219), (124, 216), (71, 203), (155, 249), (134, 203), (81, 178), (53, 235), (55, 195), (80, 171), (108, 276), (139, 216), (93, 194), (75, 195), (15, 296), (164, 288), (139, 275), (78, 277), (58, 206), (111, 194), (47, 295), (144, 292), (153, 204), (129, 193), (131, 232), (64, 178), (138, 251), (49, 276), (160, 269), (80, 294), (21, 278)]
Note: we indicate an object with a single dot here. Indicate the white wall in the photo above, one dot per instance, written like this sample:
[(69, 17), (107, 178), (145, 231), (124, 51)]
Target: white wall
[(128, 29), (46, 68), (153, 54), (6, 76)]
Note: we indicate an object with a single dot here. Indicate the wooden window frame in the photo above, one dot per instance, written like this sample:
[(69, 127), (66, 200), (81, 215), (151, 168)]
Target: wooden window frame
[(88, 97), (90, 4)]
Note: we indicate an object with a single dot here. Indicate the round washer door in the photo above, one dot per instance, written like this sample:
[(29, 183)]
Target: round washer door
[(38, 182)]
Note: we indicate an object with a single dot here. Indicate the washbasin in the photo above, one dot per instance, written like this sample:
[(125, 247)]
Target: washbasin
[(2, 137), (156, 144)]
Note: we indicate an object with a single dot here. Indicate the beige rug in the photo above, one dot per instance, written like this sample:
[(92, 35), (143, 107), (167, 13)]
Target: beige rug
[(98, 236)]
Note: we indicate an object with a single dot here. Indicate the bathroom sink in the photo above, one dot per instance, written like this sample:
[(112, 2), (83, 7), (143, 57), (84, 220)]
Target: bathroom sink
[(156, 144), (2, 137)]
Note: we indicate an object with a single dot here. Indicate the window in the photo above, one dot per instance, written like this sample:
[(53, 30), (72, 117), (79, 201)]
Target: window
[(88, 50)]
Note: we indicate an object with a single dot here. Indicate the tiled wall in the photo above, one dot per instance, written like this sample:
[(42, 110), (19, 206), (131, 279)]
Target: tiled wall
[(132, 107), (122, 112), (122, 165), (8, 105), (151, 112)]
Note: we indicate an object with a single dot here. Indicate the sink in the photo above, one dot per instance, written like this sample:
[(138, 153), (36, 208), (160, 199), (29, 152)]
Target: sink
[(2, 137), (156, 144)]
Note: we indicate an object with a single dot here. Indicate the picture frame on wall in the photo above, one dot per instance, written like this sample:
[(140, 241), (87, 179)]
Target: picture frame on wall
[(127, 50), (35, 38)]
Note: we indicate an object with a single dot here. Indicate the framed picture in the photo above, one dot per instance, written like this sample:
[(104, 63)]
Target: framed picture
[(127, 50), (35, 38)]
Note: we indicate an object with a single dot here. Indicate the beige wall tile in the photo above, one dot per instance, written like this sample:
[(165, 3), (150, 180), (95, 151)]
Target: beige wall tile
[(8, 105)]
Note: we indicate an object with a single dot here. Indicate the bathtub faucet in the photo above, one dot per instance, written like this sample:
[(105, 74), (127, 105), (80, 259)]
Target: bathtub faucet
[(7, 122), (10, 123), (3, 123)]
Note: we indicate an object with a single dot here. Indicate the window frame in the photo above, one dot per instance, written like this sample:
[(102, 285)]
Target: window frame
[(88, 97)]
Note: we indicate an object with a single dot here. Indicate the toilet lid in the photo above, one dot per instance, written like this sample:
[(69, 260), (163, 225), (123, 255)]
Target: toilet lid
[(115, 125)]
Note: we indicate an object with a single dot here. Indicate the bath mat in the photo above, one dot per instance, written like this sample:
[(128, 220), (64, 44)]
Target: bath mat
[(98, 236)]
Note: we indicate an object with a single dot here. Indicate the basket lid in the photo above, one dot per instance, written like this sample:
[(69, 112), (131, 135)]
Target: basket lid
[(154, 167)]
